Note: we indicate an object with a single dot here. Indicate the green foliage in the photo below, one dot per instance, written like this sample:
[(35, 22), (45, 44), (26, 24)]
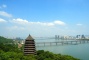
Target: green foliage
[(46, 55), (15, 56), (8, 45)]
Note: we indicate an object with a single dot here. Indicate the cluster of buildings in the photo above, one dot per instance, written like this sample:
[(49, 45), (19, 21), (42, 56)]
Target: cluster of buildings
[(65, 37)]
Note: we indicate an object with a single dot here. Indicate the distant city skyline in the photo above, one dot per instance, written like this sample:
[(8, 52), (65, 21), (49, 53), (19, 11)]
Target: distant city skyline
[(42, 18)]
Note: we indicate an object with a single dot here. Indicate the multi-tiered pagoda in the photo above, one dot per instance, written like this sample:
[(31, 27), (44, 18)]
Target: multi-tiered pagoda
[(29, 47)]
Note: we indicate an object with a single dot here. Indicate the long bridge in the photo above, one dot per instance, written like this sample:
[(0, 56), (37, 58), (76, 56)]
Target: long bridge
[(74, 42)]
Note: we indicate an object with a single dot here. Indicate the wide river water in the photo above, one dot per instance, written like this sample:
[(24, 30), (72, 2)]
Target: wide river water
[(80, 51)]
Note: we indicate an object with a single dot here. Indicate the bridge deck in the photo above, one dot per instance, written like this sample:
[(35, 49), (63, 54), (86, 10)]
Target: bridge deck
[(61, 43)]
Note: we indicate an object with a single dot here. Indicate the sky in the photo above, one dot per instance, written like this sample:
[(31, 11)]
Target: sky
[(43, 18)]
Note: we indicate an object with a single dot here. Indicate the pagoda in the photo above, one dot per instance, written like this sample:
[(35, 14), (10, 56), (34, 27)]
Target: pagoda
[(29, 47)]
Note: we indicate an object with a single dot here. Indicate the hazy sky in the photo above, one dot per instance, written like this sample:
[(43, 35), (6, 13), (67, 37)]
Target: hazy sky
[(19, 18)]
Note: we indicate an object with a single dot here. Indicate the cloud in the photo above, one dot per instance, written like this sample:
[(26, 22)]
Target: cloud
[(22, 21), (19, 21), (42, 23), (2, 20), (79, 24), (47, 24), (60, 22), (3, 6), (50, 24), (5, 14)]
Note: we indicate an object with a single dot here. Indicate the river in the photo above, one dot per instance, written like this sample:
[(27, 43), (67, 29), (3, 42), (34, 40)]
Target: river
[(80, 51)]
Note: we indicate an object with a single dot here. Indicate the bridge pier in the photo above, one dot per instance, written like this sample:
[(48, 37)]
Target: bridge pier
[(71, 42), (56, 43), (80, 42), (50, 43), (76, 42), (62, 43), (44, 43)]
